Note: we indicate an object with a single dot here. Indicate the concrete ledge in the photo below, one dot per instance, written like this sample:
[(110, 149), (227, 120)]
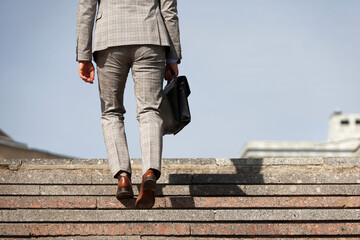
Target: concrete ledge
[(184, 169), (20, 190), (276, 229), (38, 202), (343, 161), (90, 230), (48, 177), (101, 161), (290, 178), (257, 202), (198, 161), (288, 215), (268, 161), (7, 162)]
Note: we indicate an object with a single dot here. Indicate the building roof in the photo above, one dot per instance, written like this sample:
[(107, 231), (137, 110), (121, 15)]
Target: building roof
[(5, 139), (350, 147), (9, 148), (343, 141)]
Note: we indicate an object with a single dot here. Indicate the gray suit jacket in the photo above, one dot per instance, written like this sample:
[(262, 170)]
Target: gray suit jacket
[(126, 22)]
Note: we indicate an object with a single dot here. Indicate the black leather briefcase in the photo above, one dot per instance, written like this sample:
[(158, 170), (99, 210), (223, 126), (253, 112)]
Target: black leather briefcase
[(174, 107)]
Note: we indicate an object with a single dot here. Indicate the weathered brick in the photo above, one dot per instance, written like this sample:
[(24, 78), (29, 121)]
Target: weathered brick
[(230, 238), (69, 177), (114, 215), (190, 215), (185, 190), (242, 238), (47, 202), (112, 202), (175, 238)]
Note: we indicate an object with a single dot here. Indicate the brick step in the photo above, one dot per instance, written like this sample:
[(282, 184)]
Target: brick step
[(63, 177), (196, 199), (184, 230), (187, 202), (184, 190), (181, 238), (173, 215), (184, 238)]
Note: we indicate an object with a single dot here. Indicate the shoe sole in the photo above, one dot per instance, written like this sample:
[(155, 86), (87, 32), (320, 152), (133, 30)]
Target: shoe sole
[(124, 193), (147, 199)]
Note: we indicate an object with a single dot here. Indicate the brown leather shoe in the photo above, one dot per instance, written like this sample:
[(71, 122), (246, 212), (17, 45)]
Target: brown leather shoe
[(146, 198), (124, 189)]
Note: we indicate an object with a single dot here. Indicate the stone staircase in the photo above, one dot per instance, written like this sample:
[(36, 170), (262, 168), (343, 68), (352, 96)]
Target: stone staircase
[(270, 198)]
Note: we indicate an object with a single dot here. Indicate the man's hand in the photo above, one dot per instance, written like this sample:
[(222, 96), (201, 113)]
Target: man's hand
[(171, 67), (87, 72)]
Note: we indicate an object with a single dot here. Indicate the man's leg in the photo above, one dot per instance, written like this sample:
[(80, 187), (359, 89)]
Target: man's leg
[(147, 70), (113, 65)]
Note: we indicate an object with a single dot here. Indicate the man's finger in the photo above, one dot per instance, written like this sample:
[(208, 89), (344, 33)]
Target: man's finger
[(168, 75), (174, 68), (82, 76), (85, 78), (92, 75), (176, 71), (87, 72)]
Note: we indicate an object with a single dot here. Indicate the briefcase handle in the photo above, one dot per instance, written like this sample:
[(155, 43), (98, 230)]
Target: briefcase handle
[(173, 74)]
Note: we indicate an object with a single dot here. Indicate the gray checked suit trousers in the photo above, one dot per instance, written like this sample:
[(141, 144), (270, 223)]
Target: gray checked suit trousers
[(147, 64)]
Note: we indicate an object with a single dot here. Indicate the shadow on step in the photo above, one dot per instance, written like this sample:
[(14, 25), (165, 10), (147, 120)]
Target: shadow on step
[(241, 172)]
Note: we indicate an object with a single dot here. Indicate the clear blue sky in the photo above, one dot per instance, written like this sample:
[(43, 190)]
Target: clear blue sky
[(258, 70)]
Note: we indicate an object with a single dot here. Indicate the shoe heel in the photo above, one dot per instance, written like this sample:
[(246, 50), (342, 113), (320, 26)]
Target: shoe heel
[(124, 193), (150, 184)]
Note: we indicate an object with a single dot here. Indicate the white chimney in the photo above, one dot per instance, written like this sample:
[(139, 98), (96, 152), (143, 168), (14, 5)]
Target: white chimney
[(344, 127)]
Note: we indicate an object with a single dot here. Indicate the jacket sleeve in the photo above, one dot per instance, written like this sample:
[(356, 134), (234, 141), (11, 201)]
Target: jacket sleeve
[(84, 29), (170, 15)]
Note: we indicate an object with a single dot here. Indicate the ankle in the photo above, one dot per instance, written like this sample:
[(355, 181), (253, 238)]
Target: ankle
[(123, 174), (154, 172)]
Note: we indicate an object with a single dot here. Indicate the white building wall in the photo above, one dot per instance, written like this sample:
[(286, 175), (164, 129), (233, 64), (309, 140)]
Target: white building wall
[(344, 127)]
